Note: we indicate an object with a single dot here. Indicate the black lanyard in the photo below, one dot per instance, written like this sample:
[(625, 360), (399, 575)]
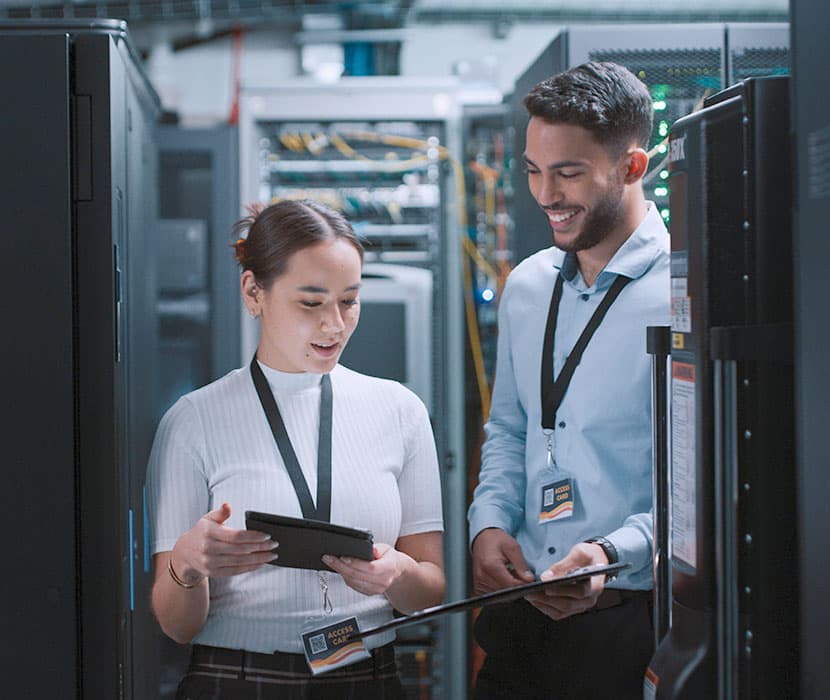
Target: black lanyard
[(272, 413), (553, 392)]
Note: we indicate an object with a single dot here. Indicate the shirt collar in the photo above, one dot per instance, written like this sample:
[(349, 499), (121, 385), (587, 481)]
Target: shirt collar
[(289, 382), (634, 256)]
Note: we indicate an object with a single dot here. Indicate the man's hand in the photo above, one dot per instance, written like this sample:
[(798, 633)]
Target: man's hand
[(498, 562), (559, 602)]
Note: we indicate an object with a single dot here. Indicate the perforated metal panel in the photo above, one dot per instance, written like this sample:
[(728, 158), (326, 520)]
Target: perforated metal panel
[(757, 50), (678, 80)]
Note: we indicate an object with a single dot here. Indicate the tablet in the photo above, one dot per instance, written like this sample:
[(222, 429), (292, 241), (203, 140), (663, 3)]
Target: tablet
[(501, 596), (302, 542)]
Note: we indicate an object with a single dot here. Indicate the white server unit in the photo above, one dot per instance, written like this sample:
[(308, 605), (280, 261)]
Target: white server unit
[(384, 151)]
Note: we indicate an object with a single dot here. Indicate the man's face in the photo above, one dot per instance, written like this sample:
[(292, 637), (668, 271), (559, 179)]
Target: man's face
[(576, 182)]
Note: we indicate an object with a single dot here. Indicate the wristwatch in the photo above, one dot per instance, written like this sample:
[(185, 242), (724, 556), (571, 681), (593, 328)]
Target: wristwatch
[(607, 547)]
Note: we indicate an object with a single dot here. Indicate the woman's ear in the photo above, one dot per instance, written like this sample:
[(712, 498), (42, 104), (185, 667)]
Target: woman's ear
[(250, 293), (636, 164)]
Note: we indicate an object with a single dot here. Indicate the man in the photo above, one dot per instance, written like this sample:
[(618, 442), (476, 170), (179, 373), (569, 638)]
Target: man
[(566, 467)]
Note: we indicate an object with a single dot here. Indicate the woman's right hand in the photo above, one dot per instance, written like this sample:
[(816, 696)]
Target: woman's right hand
[(211, 549)]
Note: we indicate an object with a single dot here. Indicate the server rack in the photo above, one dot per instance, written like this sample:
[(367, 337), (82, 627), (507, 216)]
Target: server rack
[(487, 145), (489, 163), (385, 152), (78, 297), (680, 64), (197, 289), (734, 605), (198, 278), (810, 136)]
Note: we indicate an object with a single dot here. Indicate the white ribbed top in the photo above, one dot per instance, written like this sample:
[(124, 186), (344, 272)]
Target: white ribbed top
[(214, 445)]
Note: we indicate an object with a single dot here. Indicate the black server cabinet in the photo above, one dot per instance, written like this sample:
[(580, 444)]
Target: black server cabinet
[(811, 253), (79, 352), (733, 516), (198, 277)]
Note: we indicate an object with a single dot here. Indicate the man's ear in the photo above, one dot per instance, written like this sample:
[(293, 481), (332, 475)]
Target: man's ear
[(636, 164)]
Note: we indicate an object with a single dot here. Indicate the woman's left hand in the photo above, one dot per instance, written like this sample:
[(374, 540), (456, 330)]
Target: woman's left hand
[(372, 577)]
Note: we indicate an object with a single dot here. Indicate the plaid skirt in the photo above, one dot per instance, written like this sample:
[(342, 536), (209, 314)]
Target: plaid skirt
[(216, 673)]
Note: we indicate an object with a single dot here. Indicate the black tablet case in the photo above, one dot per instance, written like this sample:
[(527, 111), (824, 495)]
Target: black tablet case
[(302, 542)]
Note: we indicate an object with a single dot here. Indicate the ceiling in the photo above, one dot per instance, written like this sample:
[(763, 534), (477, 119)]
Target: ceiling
[(187, 22)]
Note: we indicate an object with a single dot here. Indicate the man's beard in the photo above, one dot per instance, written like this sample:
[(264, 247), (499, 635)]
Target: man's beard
[(604, 218)]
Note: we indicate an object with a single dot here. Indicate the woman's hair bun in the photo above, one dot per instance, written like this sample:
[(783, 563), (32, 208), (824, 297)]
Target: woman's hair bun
[(242, 227)]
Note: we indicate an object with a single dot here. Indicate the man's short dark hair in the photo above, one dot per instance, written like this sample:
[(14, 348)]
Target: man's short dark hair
[(605, 98)]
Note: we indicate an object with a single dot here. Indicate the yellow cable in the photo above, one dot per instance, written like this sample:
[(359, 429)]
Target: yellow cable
[(400, 166), (469, 303), (490, 204), (474, 253), (475, 339), (296, 143), (287, 140), (345, 148)]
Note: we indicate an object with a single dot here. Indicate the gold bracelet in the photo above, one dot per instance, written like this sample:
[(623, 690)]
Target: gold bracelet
[(175, 576)]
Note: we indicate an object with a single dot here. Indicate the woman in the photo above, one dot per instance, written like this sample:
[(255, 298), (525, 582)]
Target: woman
[(215, 456)]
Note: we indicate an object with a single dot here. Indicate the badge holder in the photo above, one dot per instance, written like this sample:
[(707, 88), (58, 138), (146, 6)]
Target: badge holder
[(327, 641), (558, 497)]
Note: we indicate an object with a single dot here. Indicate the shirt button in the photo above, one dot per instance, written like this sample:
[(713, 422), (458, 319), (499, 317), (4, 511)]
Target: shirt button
[(584, 297), (561, 424), (551, 550)]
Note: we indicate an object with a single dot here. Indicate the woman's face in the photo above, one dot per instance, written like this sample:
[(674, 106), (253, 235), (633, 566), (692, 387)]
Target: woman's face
[(310, 312)]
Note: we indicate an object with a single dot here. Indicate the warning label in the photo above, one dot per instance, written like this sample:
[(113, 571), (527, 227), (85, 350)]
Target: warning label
[(681, 306), (683, 465)]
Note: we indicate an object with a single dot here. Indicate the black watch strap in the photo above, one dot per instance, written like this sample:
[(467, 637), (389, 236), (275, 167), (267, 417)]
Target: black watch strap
[(607, 547)]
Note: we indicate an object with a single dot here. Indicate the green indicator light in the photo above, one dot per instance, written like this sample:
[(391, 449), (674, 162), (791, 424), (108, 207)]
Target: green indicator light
[(665, 214), (659, 92), (661, 191), (663, 128), (664, 174), (662, 148), (659, 105)]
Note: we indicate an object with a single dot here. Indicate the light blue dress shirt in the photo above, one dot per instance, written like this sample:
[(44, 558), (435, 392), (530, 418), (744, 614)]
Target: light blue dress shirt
[(603, 426)]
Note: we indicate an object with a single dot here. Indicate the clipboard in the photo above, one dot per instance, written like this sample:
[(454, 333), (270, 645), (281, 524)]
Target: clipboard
[(302, 541), (501, 596)]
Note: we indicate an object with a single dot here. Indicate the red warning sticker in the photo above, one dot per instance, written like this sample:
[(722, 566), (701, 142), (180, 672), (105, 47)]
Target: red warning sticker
[(683, 371)]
